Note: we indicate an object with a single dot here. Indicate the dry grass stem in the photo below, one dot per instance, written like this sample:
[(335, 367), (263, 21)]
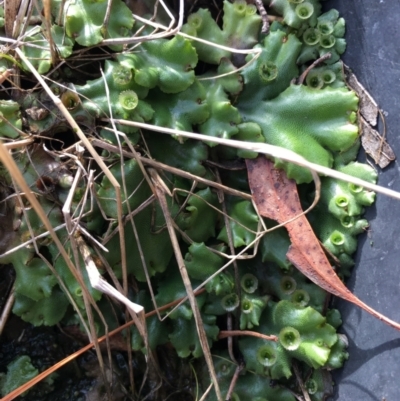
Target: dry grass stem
[(269, 150), (186, 280), (7, 309)]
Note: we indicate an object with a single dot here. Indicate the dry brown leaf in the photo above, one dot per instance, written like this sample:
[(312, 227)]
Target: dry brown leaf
[(372, 141), (276, 198), (375, 145), (368, 107)]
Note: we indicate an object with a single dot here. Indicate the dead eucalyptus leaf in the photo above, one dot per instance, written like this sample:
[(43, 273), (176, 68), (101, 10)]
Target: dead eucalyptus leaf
[(368, 107), (375, 145), (372, 141), (276, 198)]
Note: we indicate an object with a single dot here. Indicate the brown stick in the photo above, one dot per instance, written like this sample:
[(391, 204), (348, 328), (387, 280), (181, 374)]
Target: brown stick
[(231, 333), (303, 76)]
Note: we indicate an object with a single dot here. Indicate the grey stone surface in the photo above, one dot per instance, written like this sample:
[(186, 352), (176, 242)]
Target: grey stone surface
[(373, 370)]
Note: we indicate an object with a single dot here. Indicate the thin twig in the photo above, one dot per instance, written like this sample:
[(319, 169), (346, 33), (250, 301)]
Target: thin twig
[(186, 281), (227, 333), (18, 144), (167, 31), (270, 150), (7, 309), (204, 396), (300, 382), (264, 16), (47, 22), (232, 385), (99, 283), (161, 166), (106, 20), (238, 287), (303, 76)]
